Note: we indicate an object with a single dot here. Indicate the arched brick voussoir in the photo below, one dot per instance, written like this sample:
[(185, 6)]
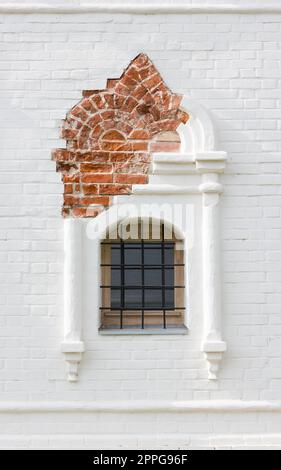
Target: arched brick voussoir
[(165, 125), (113, 134), (79, 113), (125, 127), (140, 134), (109, 136), (129, 104)]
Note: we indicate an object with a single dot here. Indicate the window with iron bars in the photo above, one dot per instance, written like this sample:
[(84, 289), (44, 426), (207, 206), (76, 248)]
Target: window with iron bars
[(142, 283)]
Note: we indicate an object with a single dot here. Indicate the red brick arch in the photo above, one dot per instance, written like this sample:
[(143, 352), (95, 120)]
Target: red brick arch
[(108, 137)]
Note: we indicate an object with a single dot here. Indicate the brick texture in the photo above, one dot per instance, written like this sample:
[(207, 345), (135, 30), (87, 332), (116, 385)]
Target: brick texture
[(231, 64), (110, 135)]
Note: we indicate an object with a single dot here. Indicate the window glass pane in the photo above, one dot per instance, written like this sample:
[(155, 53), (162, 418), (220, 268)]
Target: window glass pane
[(169, 255), (169, 298), (153, 298), (132, 277), (132, 253), (115, 254), (115, 277), (152, 277), (133, 298), (115, 298), (169, 277), (152, 245), (152, 255)]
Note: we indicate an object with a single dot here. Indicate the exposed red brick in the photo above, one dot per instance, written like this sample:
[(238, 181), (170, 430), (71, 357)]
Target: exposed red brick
[(147, 72), (137, 146), (111, 82), (141, 61), (122, 89), (85, 211), (68, 134), (109, 99), (133, 168), (113, 189), (87, 93), (124, 127), (121, 156), (66, 167), (130, 179), (113, 135), (96, 132), (97, 178), (79, 112), (90, 189), (139, 134), (71, 178), (119, 100), (93, 121), (97, 99), (68, 189), (130, 104), (100, 200), (183, 116), (88, 106), (70, 200), (95, 168), (114, 146), (110, 134), (139, 92), (62, 155), (105, 115), (78, 211)]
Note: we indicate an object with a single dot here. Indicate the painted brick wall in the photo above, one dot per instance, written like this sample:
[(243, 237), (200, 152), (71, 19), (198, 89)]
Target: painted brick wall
[(231, 63)]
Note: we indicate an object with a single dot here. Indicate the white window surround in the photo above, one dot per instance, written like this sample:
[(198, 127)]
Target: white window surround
[(198, 159)]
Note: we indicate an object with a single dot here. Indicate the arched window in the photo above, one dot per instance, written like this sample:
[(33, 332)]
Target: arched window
[(142, 278)]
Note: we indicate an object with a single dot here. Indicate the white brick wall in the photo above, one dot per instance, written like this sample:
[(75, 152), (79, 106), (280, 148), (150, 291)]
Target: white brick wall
[(231, 64)]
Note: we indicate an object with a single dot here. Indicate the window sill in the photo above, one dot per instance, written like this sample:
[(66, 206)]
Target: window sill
[(180, 330)]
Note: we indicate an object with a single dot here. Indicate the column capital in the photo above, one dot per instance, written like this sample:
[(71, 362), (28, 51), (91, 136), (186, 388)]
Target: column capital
[(210, 162)]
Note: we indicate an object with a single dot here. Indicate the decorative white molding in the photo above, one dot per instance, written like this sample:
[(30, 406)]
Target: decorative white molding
[(173, 158), (164, 189), (72, 345), (198, 134), (213, 346), (188, 163), (146, 8), (210, 162), (145, 406)]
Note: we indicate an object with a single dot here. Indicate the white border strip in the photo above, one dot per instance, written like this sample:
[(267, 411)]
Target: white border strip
[(137, 9), (141, 407)]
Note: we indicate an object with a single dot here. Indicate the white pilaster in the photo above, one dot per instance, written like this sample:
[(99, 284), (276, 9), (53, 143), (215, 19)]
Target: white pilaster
[(72, 345), (213, 346)]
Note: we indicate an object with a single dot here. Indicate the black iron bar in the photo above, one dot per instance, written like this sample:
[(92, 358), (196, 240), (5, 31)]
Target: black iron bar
[(163, 276), (142, 280), (122, 286)]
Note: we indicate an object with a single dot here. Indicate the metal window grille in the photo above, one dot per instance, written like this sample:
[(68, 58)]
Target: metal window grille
[(142, 275)]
